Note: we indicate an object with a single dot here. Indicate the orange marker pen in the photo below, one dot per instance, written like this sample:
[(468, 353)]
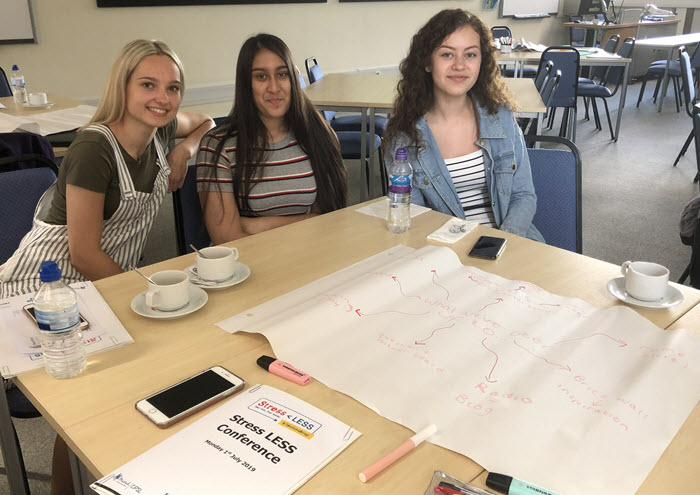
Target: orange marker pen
[(286, 371)]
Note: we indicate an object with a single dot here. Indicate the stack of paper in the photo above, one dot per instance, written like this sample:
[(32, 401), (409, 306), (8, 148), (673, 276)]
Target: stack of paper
[(261, 441), (20, 345)]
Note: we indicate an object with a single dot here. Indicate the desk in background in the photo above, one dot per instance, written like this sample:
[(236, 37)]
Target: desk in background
[(95, 412), (635, 30), (59, 103), (522, 58), (670, 44)]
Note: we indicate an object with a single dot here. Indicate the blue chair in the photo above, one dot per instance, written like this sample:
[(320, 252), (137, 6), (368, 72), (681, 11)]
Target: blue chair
[(577, 36), (25, 174), (189, 224), (614, 76), (556, 175), (346, 122), (5, 88), (657, 69), (547, 92), (504, 32), (598, 73), (566, 59), (690, 100), (542, 74)]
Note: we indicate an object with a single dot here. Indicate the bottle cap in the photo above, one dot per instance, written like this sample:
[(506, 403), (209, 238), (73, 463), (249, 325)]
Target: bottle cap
[(14, 67), (49, 271), (499, 482), (401, 154)]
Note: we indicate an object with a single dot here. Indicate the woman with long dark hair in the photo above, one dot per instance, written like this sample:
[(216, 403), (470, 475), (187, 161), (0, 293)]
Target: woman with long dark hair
[(455, 118), (274, 160)]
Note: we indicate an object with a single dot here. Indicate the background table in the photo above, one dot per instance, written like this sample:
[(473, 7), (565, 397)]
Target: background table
[(60, 103), (95, 412)]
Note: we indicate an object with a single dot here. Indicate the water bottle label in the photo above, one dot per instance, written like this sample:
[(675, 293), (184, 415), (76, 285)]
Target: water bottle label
[(17, 82), (58, 321), (400, 183)]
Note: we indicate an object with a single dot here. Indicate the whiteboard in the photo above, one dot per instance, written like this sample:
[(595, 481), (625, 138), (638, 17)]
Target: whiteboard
[(529, 7), (16, 22)]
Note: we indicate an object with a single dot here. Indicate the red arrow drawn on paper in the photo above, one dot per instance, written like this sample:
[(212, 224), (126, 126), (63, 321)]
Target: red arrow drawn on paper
[(358, 312), (488, 378), (395, 279), (519, 288), (422, 342), (443, 288), (567, 367), (489, 304), (545, 304), (621, 342)]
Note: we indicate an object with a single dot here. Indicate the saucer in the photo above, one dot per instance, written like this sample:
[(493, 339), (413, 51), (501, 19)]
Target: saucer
[(672, 297), (198, 298), (241, 272), (48, 104)]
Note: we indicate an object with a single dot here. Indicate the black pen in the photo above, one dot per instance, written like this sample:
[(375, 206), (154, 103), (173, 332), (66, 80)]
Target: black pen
[(513, 486)]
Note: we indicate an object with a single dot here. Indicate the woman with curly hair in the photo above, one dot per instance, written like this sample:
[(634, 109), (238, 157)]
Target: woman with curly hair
[(455, 119)]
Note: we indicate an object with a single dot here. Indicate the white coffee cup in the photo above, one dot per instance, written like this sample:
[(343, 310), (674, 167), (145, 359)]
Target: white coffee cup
[(216, 263), (38, 99), (645, 281), (170, 290)]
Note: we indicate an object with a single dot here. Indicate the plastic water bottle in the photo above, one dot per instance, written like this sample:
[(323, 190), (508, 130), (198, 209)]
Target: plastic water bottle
[(400, 174), (19, 90), (56, 309)]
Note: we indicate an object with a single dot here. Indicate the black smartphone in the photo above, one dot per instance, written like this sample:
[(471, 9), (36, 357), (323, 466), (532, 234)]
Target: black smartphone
[(178, 401), (488, 247)]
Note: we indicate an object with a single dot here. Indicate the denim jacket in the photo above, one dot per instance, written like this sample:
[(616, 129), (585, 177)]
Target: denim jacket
[(508, 176)]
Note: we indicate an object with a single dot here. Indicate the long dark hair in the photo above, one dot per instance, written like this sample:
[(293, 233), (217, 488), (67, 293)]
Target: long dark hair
[(415, 89), (312, 132)]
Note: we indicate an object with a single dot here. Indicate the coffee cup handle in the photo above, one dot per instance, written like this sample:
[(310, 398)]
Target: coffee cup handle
[(151, 297), (625, 266), (235, 253)]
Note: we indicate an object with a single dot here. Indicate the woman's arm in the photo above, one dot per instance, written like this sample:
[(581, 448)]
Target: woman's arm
[(224, 222), (84, 212), (191, 127)]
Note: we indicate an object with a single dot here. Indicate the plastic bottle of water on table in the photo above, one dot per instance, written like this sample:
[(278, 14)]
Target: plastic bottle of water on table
[(19, 89), (400, 175), (56, 309)]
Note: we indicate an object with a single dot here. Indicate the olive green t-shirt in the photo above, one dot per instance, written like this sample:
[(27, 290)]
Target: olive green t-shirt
[(90, 163)]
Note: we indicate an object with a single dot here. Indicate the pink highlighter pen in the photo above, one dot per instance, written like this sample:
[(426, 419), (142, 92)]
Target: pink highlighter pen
[(280, 368)]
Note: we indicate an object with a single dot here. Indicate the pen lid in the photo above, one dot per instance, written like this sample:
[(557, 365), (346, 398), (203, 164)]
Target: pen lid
[(499, 482), (265, 361)]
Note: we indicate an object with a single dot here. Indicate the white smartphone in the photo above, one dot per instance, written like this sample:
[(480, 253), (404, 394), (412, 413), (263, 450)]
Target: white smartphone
[(178, 401), (29, 309)]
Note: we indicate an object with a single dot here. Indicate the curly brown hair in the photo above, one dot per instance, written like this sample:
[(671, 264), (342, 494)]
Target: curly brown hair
[(415, 89)]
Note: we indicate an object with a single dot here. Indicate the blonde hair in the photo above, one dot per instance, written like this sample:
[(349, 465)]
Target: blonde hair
[(113, 102)]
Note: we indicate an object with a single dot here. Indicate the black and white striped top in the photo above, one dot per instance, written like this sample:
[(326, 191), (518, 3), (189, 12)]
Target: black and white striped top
[(469, 178)]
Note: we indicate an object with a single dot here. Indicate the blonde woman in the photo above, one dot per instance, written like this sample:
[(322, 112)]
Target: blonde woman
[(95, 219)]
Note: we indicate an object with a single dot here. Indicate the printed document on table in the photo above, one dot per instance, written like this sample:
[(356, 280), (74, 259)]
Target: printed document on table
[(20, 344), (263, 440)]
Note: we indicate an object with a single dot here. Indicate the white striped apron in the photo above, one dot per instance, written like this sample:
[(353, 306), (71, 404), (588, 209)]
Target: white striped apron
[(123, 235)]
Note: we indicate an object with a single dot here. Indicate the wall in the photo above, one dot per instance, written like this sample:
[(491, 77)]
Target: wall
[(78, 42)]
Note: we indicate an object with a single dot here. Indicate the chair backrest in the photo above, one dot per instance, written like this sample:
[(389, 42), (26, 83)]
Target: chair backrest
[(550, 88), (616, 72), (566, 59), (542, 74), (577, 36), (556, 175), (599, 72), (688, 82), (20, 191), (500, 32), (5, 88), (313, 70), (189, 224)]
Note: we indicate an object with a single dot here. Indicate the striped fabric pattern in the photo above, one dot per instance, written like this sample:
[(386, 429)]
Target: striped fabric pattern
[(287, 185), (469, 178), (123, 235)]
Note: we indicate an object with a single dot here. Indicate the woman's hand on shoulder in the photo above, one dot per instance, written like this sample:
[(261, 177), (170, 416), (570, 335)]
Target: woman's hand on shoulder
[(191, 127)]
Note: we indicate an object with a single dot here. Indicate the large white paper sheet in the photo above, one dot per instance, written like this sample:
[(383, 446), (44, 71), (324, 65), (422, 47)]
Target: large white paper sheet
[(46, 123), (549, 389), (262, 441), (20, 344)]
